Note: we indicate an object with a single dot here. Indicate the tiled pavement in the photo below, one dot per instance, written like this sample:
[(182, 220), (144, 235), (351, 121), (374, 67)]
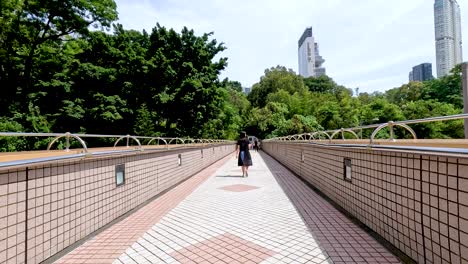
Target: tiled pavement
[(269, 217), (344, 241)]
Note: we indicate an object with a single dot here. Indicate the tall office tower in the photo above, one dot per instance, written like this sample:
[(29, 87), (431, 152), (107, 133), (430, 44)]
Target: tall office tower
[(310, 61), (421, 72), (447, 24)]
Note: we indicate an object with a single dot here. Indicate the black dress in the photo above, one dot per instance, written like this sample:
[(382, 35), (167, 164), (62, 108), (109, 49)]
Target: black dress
[(244, 155)]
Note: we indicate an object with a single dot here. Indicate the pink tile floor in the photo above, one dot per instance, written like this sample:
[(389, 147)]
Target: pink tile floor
[(239, 188), (225, 248), (219, 217)]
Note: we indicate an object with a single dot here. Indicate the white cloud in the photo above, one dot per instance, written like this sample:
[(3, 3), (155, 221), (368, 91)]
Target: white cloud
[(371, 44)]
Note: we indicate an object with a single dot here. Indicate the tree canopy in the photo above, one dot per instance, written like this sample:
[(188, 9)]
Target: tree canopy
[(57, 75), (280, 104)]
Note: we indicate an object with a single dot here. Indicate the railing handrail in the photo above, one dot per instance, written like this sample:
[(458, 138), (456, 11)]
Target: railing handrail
[(79, 137), (390, 124)]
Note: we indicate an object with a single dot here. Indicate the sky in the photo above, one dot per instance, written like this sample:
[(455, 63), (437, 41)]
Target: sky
[(367, 44)]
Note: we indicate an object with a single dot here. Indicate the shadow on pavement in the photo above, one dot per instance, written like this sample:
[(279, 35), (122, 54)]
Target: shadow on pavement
[(229, 176)]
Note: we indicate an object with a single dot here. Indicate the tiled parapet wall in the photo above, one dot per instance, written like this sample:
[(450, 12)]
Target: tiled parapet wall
[(47, 207), (416, 201)]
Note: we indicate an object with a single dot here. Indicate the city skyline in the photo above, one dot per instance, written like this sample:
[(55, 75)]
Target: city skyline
[(371, 45), (448, 36)]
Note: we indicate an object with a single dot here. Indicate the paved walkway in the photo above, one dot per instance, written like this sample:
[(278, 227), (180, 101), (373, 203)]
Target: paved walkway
[(219, 217)]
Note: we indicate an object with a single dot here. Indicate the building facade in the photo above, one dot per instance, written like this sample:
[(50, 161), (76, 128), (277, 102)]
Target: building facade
[(310, 61), (447, 25), (421, 73)]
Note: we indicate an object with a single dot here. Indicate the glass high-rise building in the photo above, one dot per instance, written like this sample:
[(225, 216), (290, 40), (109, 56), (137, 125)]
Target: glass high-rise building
[(447, 24), (421, 72), (310, 61)]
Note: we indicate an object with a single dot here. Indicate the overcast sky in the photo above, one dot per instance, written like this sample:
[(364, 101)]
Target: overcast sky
[(370, 44)]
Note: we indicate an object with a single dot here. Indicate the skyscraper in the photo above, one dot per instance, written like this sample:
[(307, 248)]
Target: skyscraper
[(310, 61), (421, 72), (447, 24)]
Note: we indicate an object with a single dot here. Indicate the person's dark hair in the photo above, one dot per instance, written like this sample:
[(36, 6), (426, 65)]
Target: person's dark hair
[(243, 134)]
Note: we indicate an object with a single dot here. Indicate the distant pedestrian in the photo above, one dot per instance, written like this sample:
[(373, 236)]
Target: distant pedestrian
[(256, 145), (243, 155)]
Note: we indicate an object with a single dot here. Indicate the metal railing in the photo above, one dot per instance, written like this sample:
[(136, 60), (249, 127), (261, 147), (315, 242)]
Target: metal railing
[(330, 134), (80, 138)]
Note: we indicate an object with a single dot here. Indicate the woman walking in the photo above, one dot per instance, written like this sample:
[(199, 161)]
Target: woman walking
[(243, 155)]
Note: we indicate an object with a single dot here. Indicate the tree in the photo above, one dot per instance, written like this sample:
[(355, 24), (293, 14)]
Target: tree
[(275, 78), (144, 124), (11, 143), (431, 108), (58, 76), (406, 93), (381, 111), (298, 124), (291, 101), (186, 80), (447, 89), (328, 115), (325, 84), (263, 121), (233, 85), (28, 25)]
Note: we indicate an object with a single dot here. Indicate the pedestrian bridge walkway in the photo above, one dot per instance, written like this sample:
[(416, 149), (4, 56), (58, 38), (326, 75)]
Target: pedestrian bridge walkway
[(217, 216), (187, 203)]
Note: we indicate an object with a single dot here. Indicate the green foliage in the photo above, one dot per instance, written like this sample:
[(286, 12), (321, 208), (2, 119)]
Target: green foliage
[(293, 102), (447, 89), (232, 85), (34, 29), (57, 75), (406, 93), (298, 124), (430, 108), (11, 143), (329, 115), (234, 113), (263, 121), (381, 111), (281, 109), (144, 124), (275, 78), (325, 84)]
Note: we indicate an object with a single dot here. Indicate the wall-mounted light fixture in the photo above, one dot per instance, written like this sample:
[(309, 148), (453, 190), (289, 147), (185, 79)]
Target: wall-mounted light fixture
[(119, 174), (302, 156), (347, 170), (179, 160)]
